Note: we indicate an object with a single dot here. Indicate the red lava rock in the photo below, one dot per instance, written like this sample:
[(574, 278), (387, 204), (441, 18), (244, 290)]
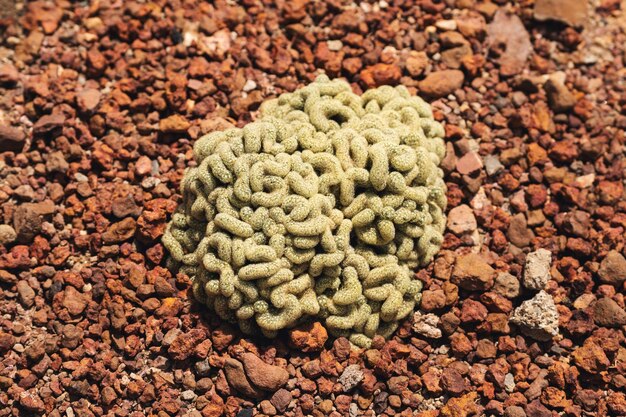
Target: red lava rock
[(469, 163), (309, 338), (88, 99), (473, 311), (613, 268), (381, 74), (236, 377), (608, 313), (120, 231), (174, 124), (8, 74), (263, 375), (11, 139), (472, 273), (183, 346), (591, 358), (441, 83), (32, 402), (461, 407), (48, 123), (281, 399)]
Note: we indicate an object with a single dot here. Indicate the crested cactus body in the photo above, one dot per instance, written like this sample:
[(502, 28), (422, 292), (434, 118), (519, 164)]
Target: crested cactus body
[(321, 208)]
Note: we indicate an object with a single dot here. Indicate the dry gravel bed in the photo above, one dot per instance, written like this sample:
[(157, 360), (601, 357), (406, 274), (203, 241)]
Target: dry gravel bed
[(101, 101)]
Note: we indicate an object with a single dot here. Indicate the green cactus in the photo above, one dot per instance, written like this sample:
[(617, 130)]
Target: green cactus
[(319, 209)]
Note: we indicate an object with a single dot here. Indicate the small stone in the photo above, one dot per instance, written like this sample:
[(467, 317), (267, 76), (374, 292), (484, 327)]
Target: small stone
[(433, 300), (441, 83), (381, 74), (88, 99), (514, 411), (506, 285), (608, 313), (461, 220), (509, 382), (281, 399), (492, 164), (591, 358), (11, 139), (537, 269), (538, 317), (472, 273), (174, 124), (32, 402), (460, 407), (143, 165), (446, 24), (182, 347), (56, 162), (571, 13), (8, 74), (559, 96), (249, 86), (27, 223), (469, 163), (120, 231), (262, 374), (351, 377), (453, 382), (518, 232), (25, 293), (74, 301), (310, 337), (416, 63), (334, 45), (613, 268), (48, 123), (7, 234), (426, 325)]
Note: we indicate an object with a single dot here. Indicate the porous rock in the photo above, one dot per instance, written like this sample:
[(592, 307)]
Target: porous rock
[(537, 269), (351, 376), (537, 317)]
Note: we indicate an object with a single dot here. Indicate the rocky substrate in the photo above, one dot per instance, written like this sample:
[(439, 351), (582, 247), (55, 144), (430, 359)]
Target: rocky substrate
[(523, 309)]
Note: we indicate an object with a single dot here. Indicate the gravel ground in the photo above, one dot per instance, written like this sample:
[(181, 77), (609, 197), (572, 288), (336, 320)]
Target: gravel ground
[(523, 309)]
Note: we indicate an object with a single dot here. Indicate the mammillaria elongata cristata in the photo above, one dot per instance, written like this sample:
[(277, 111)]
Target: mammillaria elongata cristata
[(319, 209)]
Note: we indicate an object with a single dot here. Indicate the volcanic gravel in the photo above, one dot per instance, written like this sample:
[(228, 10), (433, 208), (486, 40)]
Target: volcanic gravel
[(100, 103)]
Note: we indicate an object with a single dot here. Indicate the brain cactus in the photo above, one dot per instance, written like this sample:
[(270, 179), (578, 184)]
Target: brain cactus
[(320, 210)]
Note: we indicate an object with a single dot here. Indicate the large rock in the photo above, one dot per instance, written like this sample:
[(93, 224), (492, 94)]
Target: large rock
[(27, 223), (441, 83), (11, 139), (472, 273), (537, 269), (573, 13), (608, 313), (461, 220), (263, 375), (613, 268), (537, 317), (507, 33), (236, 377), (7, 234)]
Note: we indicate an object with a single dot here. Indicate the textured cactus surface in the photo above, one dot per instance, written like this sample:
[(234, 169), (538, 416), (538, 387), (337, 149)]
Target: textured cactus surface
[(320, 209)]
